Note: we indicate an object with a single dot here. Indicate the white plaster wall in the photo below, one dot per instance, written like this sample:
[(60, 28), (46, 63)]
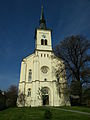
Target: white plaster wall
[(39, 34), (41, 57)]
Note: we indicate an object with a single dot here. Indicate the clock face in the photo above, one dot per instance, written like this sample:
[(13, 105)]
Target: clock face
[(44, 69), (44, 36)]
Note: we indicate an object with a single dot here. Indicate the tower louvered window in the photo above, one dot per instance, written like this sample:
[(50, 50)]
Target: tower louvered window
[(43, 41)]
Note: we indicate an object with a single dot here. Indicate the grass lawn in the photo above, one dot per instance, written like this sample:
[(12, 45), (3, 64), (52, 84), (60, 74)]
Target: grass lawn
[(83, 109), (38, 114)]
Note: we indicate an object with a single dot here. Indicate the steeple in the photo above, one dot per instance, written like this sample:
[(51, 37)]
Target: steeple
[(42, 22)]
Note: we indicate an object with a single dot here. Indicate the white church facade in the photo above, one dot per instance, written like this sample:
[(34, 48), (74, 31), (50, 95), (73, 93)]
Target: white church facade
[(38, 72)]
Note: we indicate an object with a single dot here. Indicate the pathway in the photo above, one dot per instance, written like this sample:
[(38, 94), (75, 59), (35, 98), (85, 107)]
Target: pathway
[(74, 111)]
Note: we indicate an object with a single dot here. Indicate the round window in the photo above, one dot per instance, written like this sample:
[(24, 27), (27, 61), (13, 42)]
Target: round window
[(44, 69)]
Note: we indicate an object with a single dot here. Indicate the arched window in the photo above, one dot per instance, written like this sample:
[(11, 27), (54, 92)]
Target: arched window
[(44, 55), (30, 75), (45, 42), (42, 42), (29, 92)]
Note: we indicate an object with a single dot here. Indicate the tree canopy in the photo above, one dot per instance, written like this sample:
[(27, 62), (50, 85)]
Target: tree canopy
[(75, 52)]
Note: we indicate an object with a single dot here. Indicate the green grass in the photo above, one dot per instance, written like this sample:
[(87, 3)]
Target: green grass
[(83, 109), (38, 114)]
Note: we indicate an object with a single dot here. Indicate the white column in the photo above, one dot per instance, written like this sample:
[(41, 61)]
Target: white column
[(36, 69), (36, 80), (33, 93), (55, 95), (22, 77), (23, 72)]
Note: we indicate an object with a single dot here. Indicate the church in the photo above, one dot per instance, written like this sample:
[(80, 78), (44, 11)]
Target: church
[(38, 85)]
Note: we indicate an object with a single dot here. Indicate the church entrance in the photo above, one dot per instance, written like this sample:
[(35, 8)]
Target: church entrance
[(45, 96), (46, 100)]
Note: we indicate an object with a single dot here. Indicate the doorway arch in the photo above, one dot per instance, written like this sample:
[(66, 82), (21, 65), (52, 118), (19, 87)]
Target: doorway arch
[(45, 96)]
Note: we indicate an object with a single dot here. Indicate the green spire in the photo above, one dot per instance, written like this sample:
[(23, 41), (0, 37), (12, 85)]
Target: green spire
[(42, 13), (42, 22)]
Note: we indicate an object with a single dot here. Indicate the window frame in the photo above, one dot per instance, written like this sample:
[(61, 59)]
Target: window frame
[(30, 75), (29, 92)]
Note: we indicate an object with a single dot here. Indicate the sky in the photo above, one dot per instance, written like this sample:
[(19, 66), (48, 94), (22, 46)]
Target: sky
[(18, 20)]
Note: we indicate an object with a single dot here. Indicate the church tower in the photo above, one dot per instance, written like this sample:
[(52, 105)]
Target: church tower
[(38, 81), (43, 35)]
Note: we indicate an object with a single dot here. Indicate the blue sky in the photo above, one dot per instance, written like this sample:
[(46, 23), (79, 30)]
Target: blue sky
[(18, 20)]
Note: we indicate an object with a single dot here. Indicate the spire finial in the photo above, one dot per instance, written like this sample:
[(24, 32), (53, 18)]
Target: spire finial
[(42, 2), (42, 19), (42, 12)]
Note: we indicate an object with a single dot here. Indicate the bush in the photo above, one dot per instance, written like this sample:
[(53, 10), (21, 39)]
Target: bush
[(48, 114), (2, 102)]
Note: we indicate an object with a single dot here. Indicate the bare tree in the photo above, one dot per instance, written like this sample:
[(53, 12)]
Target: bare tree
[(74, 51), (11, 95), (42, 94), (21, 100)]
